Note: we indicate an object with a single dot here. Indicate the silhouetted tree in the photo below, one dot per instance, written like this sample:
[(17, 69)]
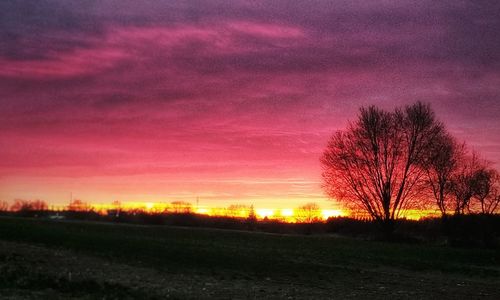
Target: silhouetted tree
[(181, 207), (308, 213), (492, 203), (443, 161), (466, 181), (237, 210), (487, 190), (79, 205), (252, 217), (39, 205), (20, 205), (29, 205), (4, 205), (251, 220), (375, 165), (116, 209)]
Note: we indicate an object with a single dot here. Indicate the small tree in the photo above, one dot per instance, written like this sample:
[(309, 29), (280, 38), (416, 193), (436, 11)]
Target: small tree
[(252, 218), (79, 205), (181, 207), (21, 205), (251, 214), (466, 182), (440, 167), (492, 204), (237, 211), (4, 205), (487, 190), (39, 205), (308, 213)]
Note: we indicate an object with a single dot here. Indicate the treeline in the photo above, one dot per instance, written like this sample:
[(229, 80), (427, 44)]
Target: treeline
[(307, 213), (471, 230), (20, 205)]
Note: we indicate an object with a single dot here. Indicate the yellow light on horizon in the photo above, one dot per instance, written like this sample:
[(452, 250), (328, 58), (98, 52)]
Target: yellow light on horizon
[(327, 213), (202, 211), (263, 213), (287, 212)]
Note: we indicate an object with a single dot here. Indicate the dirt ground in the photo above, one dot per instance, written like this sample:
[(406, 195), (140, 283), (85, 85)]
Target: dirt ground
[(36, 272)]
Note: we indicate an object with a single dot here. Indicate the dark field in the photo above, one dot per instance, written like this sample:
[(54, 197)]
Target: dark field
[(58, 260)]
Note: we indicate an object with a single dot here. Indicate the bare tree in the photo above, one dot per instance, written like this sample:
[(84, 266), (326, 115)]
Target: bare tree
[(4, 205), (487, 190), (443, 161), (117, 204), (308, 213), (466, 182), (237, 211), (20, 205), (252, 216), (181, 207), (115, 209), (375, 165), (39, 205), (29, 205), (79, 205), (492, 203)]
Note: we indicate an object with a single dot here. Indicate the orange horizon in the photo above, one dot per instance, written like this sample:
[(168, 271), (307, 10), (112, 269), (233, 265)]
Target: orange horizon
[(289, 215)]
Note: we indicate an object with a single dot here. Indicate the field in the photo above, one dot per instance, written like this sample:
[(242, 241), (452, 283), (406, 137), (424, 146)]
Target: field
[(41, 259)]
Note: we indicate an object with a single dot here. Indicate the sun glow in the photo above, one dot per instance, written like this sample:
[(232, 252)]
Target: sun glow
[(328, 213), (233, 211), (202, 211), (265, 213), (287, 212)]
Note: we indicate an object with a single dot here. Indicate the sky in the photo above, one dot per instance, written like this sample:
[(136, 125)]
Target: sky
[(228, 101)]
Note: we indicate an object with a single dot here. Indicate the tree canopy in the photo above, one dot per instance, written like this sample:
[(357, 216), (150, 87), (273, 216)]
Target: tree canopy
[(387, 162), (374, 165)]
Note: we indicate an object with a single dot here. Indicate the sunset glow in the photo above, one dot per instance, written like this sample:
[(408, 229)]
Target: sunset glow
[(265, 213), (173, 102), (236, 149), (285, 215)]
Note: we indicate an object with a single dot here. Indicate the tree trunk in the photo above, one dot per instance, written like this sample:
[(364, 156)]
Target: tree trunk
[(388, 227)]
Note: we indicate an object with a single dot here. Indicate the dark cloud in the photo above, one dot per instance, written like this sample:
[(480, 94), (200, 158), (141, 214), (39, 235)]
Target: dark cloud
[(340, 35)]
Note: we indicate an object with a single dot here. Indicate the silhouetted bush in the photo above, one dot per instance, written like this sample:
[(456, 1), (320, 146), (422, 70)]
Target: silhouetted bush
[(350, 226), (472, 230)]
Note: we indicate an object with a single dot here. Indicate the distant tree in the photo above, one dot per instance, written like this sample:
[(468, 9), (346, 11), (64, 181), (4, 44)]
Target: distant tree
[(116, 209), (39, 205), (442, 163), (308, 213), (20, 205), (252, 217), (487, 190), (237, 210), (4, 205), (491, 204), (375, 165), (79, 205), (181, 207), (466, 182), (29, 205), (116, 205)]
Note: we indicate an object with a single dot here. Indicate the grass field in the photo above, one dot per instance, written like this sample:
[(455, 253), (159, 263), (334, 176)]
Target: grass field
[(41, 259)]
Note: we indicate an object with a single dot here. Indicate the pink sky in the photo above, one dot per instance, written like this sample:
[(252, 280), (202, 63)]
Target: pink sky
[(231, 102)]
